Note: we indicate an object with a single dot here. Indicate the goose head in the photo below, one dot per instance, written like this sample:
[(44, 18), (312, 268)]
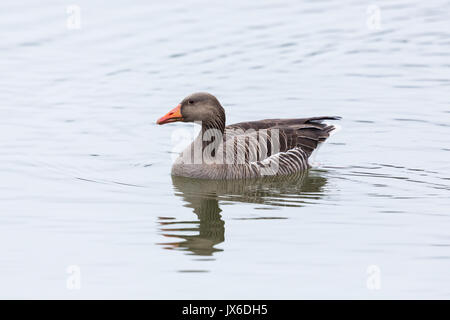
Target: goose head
[(197, 107)]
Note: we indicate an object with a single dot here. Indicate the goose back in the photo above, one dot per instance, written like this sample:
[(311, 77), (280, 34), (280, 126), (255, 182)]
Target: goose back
[(270, 147)]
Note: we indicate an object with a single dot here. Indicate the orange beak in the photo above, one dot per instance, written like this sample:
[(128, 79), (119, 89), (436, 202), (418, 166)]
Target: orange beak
[(171, 116)]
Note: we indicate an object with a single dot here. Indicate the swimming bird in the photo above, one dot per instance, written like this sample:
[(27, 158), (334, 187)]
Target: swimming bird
[(245, 150)]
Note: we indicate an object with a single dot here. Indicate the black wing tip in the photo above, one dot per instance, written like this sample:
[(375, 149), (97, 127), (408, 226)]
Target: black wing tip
[(320, 119), (332, 118)]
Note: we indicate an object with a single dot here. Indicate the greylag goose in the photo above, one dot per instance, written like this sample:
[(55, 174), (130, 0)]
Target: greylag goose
[(244, 150)]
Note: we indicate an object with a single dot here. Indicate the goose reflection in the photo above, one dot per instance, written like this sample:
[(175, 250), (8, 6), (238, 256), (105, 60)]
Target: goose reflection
[(199, 237)]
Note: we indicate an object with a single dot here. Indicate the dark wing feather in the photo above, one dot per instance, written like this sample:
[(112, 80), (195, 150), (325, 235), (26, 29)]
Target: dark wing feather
[(270, 123), (305, 133)]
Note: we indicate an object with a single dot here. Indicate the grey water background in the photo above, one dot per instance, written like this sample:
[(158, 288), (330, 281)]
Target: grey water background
[(85, 171)]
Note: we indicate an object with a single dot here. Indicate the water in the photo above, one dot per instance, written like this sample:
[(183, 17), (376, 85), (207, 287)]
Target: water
[(85, 175)]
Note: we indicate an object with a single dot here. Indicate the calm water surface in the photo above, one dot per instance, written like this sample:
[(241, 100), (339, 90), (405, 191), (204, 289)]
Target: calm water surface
[(85, 175)]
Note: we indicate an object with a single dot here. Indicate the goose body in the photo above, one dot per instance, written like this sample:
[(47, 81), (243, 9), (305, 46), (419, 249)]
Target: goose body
[(245, 150)]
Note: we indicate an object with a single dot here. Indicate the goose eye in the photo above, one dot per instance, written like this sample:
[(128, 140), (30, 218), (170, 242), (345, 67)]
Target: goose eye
[(191, 102)]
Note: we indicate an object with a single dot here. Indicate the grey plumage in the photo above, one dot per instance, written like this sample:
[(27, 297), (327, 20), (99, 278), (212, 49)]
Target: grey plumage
[(298, 138), (246, 150)]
